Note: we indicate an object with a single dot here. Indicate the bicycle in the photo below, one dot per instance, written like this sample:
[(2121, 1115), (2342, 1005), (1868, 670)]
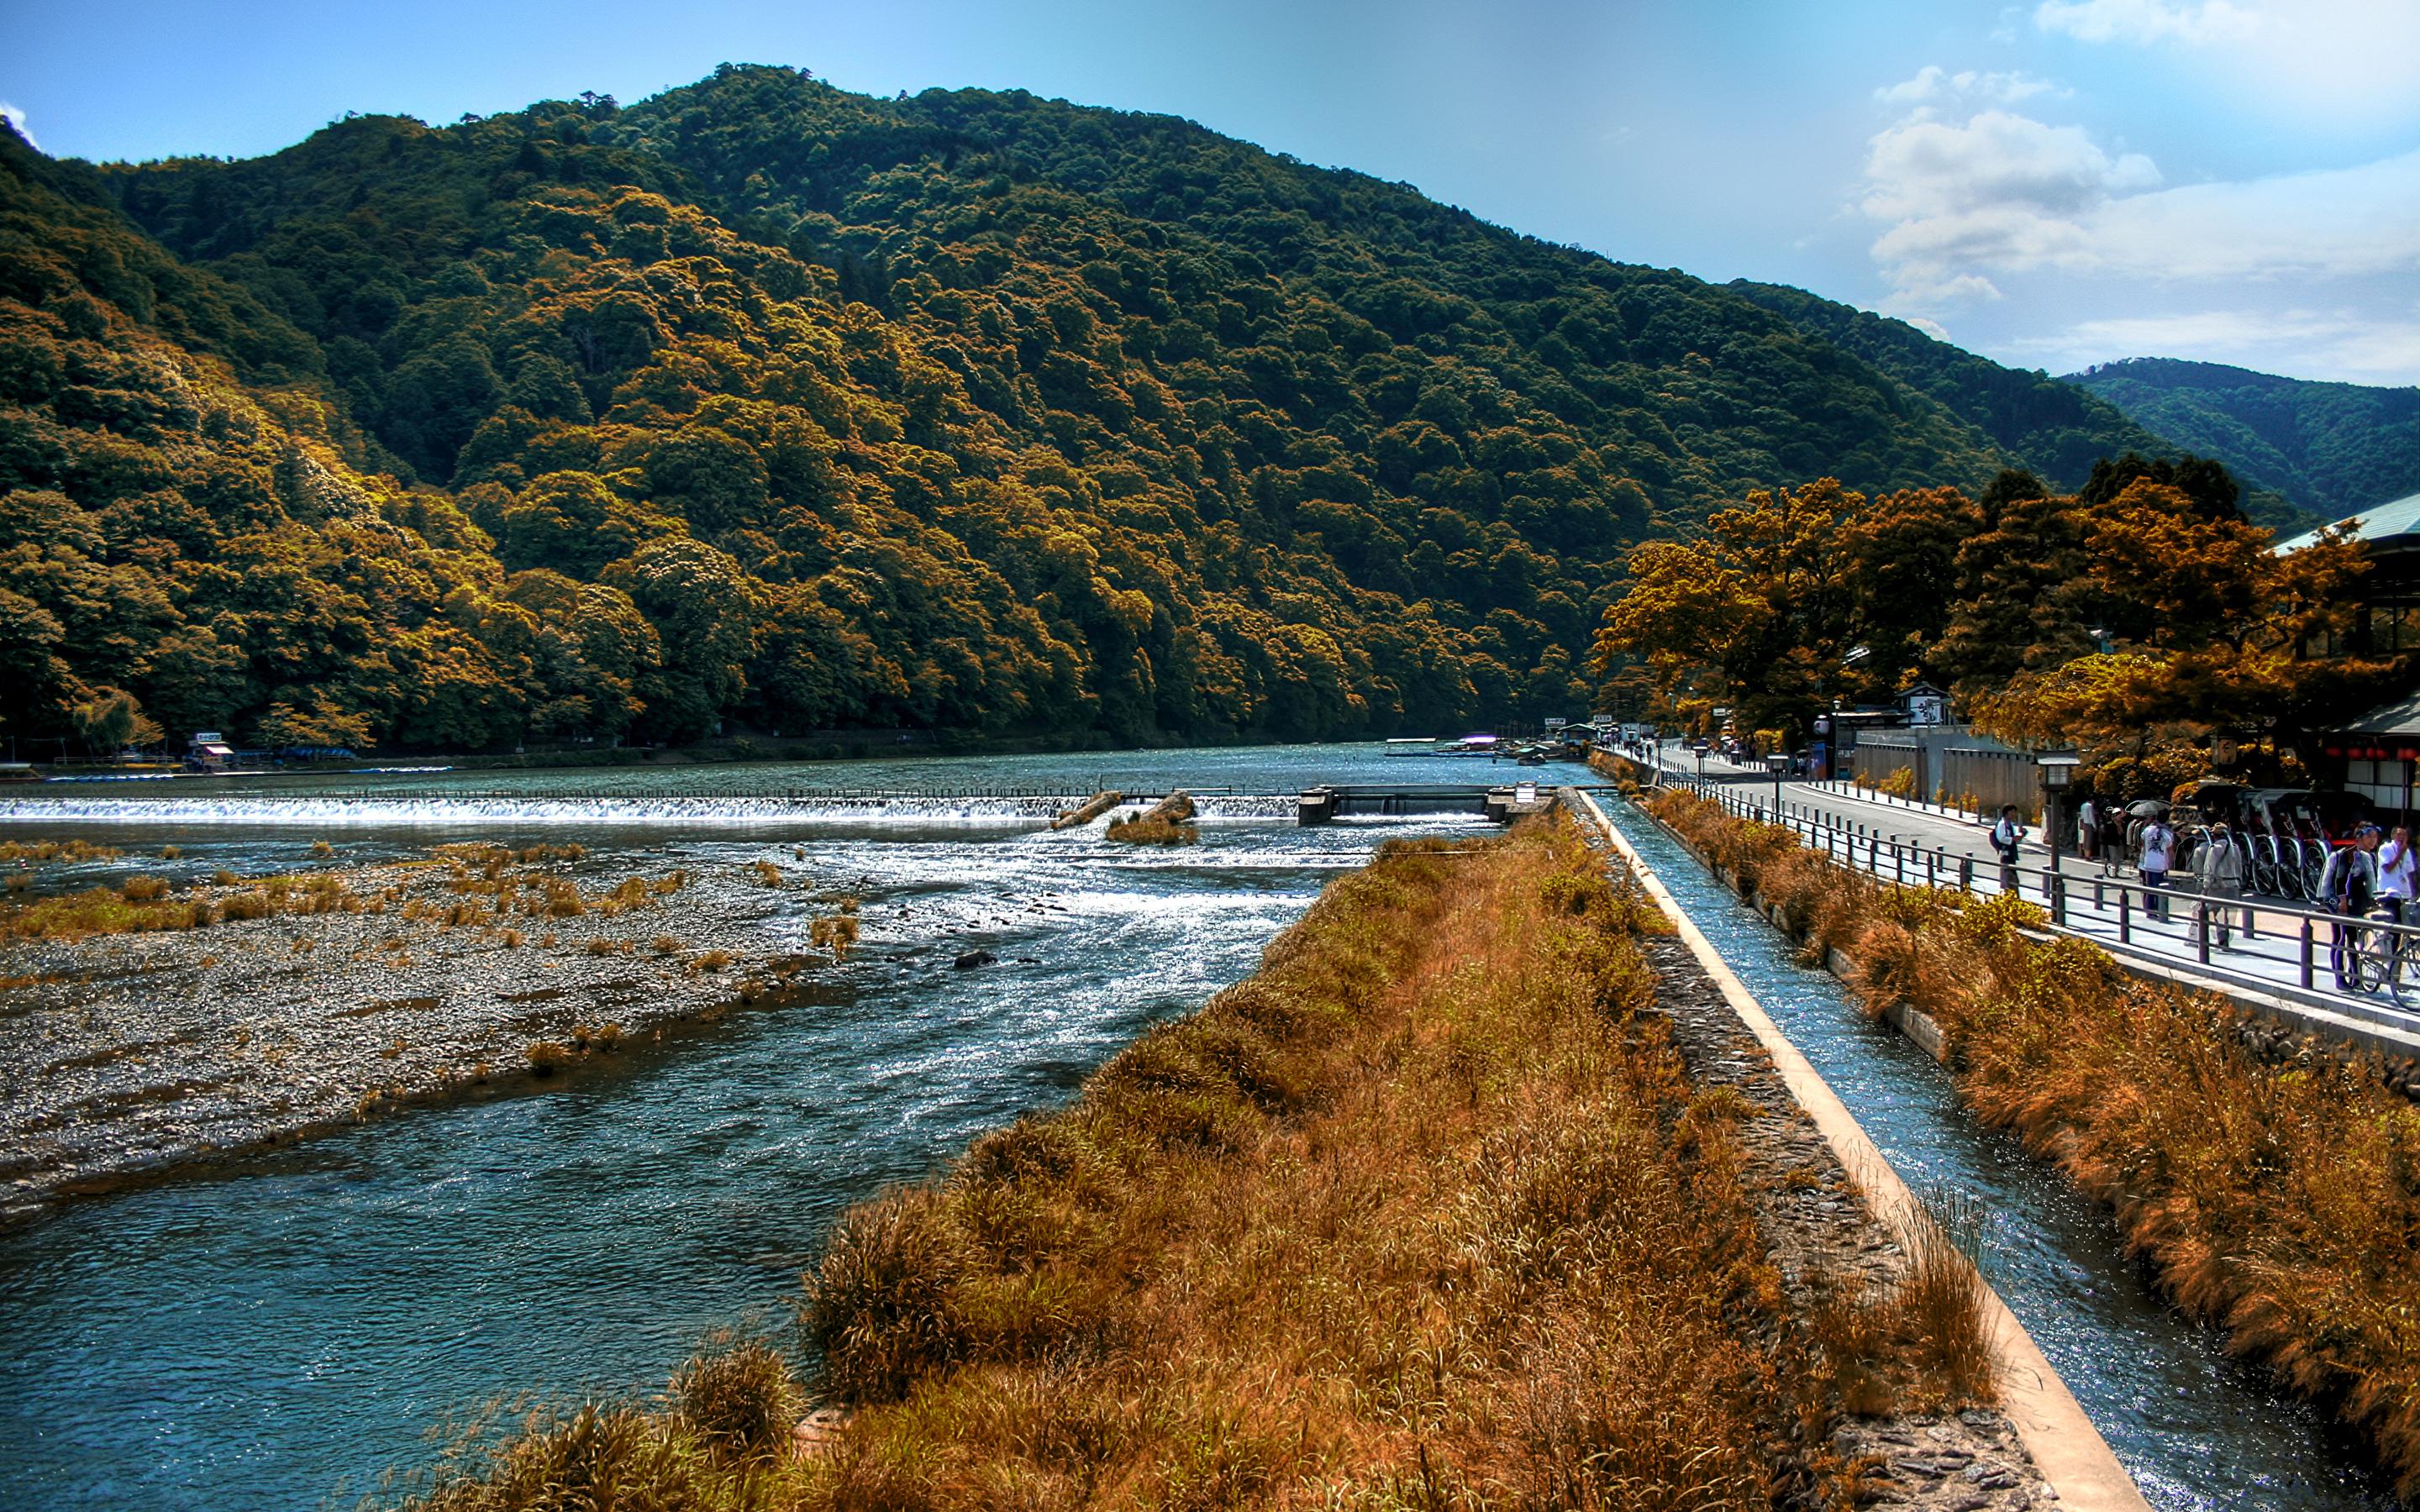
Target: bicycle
[(2387, 960)]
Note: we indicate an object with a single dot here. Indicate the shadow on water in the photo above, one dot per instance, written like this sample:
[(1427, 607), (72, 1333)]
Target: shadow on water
[(2194, 1427)]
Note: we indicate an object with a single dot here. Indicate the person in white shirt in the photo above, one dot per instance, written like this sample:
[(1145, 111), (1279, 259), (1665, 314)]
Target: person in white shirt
[(2009, 837), (2397, 870), (2158, 852), (2087, 830), (2220, 865)]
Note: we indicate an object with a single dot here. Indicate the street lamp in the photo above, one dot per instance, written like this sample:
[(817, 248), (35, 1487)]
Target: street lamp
[(2057, 769), (1776, 762)]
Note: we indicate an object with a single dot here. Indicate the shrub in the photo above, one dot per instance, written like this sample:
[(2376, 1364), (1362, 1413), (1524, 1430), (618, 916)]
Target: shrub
[(741, 1400)]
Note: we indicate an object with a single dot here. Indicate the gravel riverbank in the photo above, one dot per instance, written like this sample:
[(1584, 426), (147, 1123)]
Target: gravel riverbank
[(334, 995)]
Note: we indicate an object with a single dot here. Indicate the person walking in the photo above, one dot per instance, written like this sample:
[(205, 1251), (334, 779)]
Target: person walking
[(2220, 866), (2087, 831), (2399, 869), (2009, 837), (2349, 889), (2157, 853)]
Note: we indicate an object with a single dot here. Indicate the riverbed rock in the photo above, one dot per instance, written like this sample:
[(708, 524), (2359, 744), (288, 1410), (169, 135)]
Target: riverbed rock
[(973, 959)]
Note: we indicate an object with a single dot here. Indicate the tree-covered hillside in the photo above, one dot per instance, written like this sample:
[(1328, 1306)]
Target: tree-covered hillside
[(766, 403), (2060, 429), (2329, 450)]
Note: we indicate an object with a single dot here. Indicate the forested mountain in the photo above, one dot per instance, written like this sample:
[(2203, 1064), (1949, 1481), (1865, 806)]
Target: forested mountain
[(2329, 449), (2060, 429), (765, 402)]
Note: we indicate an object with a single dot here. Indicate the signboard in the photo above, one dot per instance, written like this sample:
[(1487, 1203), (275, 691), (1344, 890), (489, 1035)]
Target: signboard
[(1928, 709), (1555, 721)]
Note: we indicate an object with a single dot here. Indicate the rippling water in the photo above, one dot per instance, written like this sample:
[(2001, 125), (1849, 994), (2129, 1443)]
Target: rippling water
[(2195, 1428), (277, 1333)]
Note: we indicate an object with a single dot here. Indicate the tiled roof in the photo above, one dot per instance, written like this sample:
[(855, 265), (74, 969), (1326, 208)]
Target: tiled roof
[(2401, 718), (2379, 524)]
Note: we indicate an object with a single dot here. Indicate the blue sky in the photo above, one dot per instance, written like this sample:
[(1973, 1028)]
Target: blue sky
[(2051, 182)]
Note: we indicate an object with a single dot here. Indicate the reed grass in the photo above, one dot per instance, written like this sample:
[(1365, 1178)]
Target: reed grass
[(1425, 1214), (2276, 1198), (39, 851)]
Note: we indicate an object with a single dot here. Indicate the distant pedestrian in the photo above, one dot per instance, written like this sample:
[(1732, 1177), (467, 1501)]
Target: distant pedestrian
[(2221, 868), (2009, 838), (2156, 851), (2399, 869), (2349, 889), (2087, 830)]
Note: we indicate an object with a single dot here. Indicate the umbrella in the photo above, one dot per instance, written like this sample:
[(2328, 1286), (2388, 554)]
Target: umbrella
[(2147, 807)]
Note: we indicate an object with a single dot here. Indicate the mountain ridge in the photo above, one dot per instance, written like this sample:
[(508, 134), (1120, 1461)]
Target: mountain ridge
[(763, 401), (2332, 448)]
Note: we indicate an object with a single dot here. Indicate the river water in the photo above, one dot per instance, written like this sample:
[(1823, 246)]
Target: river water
[(275, 1333), (2195, 1428)]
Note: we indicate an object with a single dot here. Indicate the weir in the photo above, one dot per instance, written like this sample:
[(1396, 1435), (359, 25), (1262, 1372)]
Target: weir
[(1501, 805)]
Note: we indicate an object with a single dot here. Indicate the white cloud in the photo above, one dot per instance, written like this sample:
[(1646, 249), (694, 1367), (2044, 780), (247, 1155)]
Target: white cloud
[(2151, 21), (16, 118), (2001, 193), (2345, 344), (1930, 327), (1934, 83), (2337, 222)]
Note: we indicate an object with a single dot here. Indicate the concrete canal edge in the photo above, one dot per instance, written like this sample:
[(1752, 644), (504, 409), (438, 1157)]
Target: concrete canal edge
[(2066, 1447)]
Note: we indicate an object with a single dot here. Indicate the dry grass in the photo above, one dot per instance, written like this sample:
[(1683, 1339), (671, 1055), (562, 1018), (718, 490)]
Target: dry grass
[(39, 851), (1423, 1215), (104, 911), (2277, 1199)]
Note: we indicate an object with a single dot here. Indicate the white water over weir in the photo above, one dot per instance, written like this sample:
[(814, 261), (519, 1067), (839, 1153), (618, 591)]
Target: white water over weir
[(371, 809)]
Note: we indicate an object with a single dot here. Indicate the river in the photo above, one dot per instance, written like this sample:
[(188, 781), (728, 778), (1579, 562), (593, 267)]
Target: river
[(276, 1332)]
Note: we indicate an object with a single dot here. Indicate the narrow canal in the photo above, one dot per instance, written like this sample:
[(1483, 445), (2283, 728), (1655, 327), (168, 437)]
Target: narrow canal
[(2195, 1428)]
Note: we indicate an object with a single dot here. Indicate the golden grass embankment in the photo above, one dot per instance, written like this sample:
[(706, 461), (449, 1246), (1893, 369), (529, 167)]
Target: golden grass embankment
[(1423, 1215), (2276, 1198)]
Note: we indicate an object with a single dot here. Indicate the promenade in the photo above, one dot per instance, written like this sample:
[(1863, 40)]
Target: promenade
[(2264, 952)]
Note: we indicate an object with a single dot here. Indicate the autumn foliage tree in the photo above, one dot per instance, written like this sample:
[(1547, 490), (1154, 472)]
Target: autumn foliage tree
[(1799, 597)]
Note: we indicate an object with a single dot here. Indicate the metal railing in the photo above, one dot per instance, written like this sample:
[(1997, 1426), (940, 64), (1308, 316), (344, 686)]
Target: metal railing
[(2345, 959)]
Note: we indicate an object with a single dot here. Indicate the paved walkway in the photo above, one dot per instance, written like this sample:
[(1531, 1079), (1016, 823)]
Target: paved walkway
[(1927, 844)]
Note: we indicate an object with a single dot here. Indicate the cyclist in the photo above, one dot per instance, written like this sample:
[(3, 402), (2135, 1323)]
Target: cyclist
[(2347, 889)]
